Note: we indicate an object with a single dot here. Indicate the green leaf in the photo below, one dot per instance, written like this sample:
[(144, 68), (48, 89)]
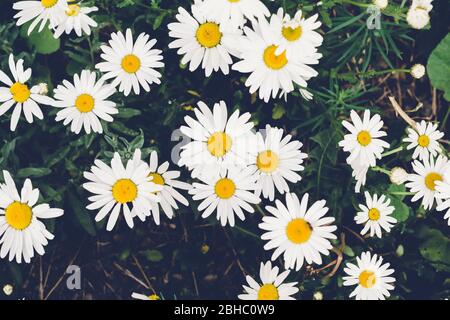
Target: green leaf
[(82, 215), (435, 248), (159, 20), (396, 189), (43, 41), (33, 172), (126, 113), (153, 255), (278, 112), (401, 211), (438, 67)]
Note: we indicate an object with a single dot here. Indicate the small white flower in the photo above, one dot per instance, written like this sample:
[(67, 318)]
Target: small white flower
[(398, 175), (140, 296), (381, 4), (371, 277), (417, 17), (375, 215), (423, 182), (132, 64), (418, 71), (21, 231), (272, 287), (298, 232), (76, 18), (84, 102), (424, 140)]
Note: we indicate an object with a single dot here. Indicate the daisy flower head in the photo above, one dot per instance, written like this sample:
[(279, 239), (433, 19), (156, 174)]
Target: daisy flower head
[(132, 64), (84, 103), (363, 142), (427, 174), (17, 92), (296, 35), (76, 18), (140, 296), (298, 232), (272, 285), (40, 11), (376, 215), (277, 161), (229, 192), (424, 141), (217, 140), (168, 196), (418, 15), (271, 73), (359, 172), (117, 187), (21, 231), (371, 276), (204, 40), (443, 194)]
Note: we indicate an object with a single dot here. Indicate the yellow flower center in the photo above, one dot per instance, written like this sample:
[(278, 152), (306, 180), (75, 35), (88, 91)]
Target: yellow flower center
[(273, 61), (154, 297), (267, 161), (73, 10), (374, 214), (85, 103), (364, 138), (20, 92), (124, 190), (268, 292), (423, 141), (157, 178), (298, 231), (208, 34), (131, 63), (48, 3), (431, 178), (233, 1), (18, 215), (219, 143), (367, 279), (292, 34), (225, 188)]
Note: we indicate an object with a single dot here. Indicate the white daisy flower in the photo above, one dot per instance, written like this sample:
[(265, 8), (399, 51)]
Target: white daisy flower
[(423, 4), (417, 17), (363, 141), (140, 296), (273, 73), (359, 172), (116, 187), (381, 4), (276, 160), (423, 182), (296, 35), (443, 193), (376, 215), (40, 11), (271, 287), (76, 18), (84, 102), (18, 93), (418, 71), (371, 276), (229, 192), (424, 140), (297, 232), (218, 141), (168, 195), (131, 64), (21, 231), (204, 40), (235, 12)]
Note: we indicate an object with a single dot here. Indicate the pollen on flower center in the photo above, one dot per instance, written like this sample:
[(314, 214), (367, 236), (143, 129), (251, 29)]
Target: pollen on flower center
[(267, 161), (20, 92), (124, 190), (48, 3), (18, 215), (233, 1), (374, 214), (225, 188), (157, 178), (268, 292), (208, 34), (219, 143), (423, 140), (292, 34), (367, 279), (154, 297), (298, 231), (73, 10), (431, 178), (85, 103), (364, 138), (273, 61), (131, 63)]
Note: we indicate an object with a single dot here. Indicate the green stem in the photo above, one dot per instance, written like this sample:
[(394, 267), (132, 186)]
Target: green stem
[(379, 169), (402, 193), (388, 153), (361, 5), (247, 232)]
